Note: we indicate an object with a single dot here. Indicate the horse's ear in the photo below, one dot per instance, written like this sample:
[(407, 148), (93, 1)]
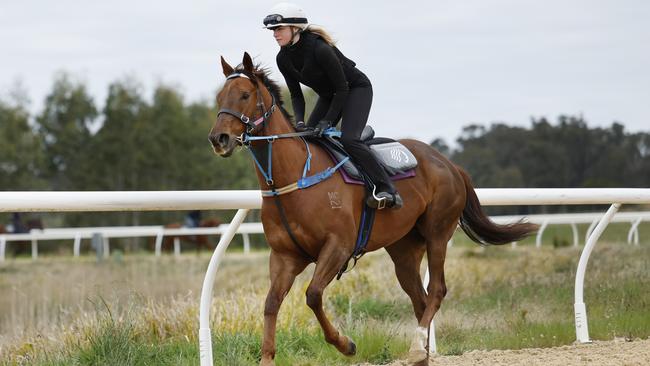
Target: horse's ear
[(227, 69), (248, 62)]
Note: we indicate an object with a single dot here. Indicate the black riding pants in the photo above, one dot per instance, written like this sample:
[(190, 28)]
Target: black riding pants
[(355, 116)]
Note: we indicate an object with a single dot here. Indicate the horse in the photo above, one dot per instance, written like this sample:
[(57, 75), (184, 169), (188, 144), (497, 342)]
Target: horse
[(201, 241), (438, 199), (23, 247)]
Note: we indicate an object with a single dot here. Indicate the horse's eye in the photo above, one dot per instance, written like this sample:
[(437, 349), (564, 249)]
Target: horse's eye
[(245, 96)]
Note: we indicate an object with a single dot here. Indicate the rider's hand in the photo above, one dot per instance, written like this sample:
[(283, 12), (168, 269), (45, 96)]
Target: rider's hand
[(321, 127)]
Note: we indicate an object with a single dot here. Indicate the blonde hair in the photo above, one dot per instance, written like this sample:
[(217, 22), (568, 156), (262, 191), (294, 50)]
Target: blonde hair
[(321, 32)]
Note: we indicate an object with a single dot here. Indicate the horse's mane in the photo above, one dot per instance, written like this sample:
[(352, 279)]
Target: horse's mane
[(262, 74)]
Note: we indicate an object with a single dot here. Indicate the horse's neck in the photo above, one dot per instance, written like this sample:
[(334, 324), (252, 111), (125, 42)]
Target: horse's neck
[(289, 154)]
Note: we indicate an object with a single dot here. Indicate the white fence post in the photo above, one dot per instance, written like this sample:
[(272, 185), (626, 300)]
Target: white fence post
[(247, 243), (538, 238), (34, 248), (634, 232), (205, 336), (107, 246), (77, 244), (3, 247), (159, 239), (580, 310), (177, 246), (576, 239)]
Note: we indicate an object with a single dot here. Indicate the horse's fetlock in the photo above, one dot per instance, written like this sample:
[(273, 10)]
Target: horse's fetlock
[(332, 338), (314, 298)]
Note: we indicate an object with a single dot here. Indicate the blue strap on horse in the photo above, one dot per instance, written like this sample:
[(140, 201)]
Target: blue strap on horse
[(305, 181), (367, 214)]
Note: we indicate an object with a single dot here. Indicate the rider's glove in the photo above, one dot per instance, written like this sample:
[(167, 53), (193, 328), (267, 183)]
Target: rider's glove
[(321, 127)]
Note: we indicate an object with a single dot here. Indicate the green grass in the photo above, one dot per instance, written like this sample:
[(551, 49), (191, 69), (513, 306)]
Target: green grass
[(143, 311)]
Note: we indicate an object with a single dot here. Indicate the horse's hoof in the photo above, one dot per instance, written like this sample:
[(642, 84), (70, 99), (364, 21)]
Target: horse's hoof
[(424, 362), (264, 362), (352, 349), (417, 356)]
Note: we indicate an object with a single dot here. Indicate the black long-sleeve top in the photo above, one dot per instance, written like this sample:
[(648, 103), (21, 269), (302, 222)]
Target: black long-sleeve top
[(322, 67)]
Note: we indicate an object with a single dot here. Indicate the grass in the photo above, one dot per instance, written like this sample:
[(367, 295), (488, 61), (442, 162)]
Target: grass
[(143, 311)]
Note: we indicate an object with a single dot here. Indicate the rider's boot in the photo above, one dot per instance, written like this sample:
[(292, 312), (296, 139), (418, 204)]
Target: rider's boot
[(387, 197)]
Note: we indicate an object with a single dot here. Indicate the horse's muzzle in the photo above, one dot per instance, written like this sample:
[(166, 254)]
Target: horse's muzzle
[(222, 144)]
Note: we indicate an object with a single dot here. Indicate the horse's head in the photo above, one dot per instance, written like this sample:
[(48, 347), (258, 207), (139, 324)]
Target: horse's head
[(242, 104)]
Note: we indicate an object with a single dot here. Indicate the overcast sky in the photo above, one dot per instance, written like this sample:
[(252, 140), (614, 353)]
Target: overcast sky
[(435, 66)]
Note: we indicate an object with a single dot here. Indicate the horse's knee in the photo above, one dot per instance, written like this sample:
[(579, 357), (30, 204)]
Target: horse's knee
[(314, 298), (272, 305)]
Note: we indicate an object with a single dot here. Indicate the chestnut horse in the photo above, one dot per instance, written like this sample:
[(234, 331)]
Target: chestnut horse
[(436, 201), (201, 241), (22, 247)]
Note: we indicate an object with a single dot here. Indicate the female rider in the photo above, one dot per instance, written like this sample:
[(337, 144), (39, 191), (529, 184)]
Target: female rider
[(309, 56)]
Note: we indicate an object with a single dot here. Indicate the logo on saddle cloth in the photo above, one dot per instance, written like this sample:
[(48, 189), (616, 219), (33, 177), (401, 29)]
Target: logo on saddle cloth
[(399, 155)]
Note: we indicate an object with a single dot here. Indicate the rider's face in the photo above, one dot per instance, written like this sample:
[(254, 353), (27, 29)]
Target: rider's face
[(282, 35)]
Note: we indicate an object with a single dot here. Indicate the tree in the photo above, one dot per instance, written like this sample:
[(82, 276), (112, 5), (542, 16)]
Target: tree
[(21, 157), (116, 143), (64, 128)]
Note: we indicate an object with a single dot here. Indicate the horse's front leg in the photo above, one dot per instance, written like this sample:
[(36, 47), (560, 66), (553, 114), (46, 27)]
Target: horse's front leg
[(330, 261), (283, 271)]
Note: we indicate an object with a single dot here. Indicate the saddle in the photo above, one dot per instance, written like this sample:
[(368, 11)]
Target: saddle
[(394, 157)]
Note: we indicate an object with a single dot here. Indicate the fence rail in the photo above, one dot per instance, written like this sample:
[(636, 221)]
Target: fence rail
[(160, 232), (243, 201)]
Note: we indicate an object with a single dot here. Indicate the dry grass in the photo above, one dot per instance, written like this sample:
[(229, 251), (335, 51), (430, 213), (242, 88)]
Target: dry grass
[(55, 306)]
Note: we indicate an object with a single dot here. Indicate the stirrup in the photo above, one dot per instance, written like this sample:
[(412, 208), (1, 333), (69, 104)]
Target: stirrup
[(381, 201)]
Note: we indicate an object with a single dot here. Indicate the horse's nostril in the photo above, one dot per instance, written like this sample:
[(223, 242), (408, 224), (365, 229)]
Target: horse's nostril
[(223, 139)]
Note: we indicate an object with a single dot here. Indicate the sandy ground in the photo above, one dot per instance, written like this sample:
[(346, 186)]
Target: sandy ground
[(611, 353)]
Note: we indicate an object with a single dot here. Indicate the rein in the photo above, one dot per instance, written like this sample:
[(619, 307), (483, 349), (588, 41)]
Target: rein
[(304, 182), (247, 137)]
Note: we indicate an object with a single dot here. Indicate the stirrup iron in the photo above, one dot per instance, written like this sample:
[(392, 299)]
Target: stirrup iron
[(381, 201)]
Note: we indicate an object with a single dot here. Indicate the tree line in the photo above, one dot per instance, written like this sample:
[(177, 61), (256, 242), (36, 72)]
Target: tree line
[(567, 154), (132, 142)]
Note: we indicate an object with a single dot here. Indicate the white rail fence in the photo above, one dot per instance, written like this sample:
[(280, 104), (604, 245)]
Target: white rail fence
[(108, 232), (243, 201), (573, 219), (160, 232)]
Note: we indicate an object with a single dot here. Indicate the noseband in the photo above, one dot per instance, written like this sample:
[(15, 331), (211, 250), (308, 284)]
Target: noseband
[(247, 121)]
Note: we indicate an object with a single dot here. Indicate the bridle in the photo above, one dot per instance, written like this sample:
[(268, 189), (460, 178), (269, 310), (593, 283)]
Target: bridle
[(251, 125)]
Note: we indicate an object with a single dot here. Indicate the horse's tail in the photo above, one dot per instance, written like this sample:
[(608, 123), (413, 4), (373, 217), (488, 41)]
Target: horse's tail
[(478, 226)]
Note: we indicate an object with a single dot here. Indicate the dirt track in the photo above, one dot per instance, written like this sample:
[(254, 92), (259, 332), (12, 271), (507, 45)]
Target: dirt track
[(611, 353)]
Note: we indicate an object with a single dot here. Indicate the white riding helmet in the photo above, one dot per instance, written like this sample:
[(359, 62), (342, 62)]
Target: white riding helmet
[(286, 14)]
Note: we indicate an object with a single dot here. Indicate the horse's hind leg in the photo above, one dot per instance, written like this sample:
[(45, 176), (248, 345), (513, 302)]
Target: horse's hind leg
[(330, 260), (436, 233), (407, 255), (283, 271)]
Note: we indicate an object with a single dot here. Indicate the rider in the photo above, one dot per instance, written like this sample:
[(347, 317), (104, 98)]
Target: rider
[(17, 224), (308, 55), (193, 219)]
